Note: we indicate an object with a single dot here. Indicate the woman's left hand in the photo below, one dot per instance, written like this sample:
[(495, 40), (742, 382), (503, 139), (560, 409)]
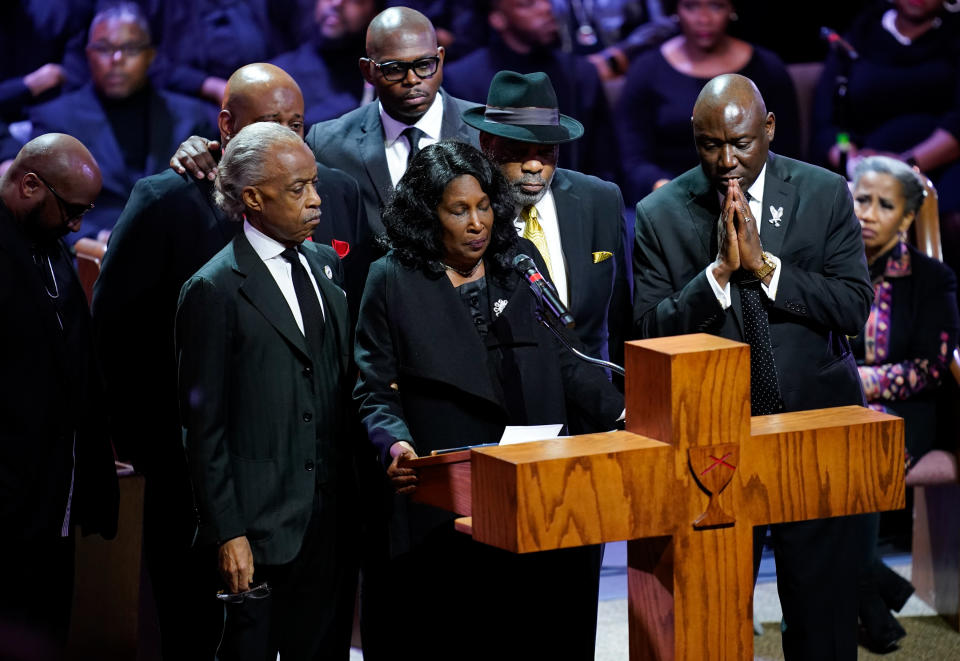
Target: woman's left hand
[(404, 480)]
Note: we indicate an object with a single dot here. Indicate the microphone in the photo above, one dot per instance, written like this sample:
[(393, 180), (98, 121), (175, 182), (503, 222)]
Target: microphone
[(836, 41), (543, 289)]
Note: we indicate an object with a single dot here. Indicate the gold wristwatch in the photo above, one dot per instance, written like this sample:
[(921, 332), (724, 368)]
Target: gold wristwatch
[(769, 266)]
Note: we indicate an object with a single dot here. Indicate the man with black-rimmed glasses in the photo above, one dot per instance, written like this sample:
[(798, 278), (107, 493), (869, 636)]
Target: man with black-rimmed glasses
[(374, 142)]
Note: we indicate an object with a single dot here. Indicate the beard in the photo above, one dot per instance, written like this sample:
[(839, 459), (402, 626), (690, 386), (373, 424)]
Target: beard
[(525, 199)]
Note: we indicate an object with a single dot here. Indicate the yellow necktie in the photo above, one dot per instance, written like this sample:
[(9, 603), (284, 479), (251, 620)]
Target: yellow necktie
[(534, 232)]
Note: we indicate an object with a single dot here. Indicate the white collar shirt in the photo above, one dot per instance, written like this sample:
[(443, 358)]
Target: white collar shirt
[(395, 144), (547, 215), (269, 250)]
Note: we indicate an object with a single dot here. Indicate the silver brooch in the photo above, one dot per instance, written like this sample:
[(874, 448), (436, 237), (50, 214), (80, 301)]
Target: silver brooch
[(777, 214), (327, 271), (498, 306)]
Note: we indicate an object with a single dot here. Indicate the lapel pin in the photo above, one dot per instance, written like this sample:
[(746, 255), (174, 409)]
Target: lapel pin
[(777, 215), (327, 271), (498, 307)]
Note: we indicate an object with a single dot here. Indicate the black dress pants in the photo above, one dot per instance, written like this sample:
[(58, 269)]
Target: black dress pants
[(453, 598), (818, 564), (309, 613)]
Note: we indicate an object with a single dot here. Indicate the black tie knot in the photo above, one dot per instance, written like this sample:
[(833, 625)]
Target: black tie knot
[(292, 255), (413, 135)]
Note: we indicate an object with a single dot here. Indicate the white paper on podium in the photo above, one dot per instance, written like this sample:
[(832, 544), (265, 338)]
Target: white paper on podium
[(525, 433)]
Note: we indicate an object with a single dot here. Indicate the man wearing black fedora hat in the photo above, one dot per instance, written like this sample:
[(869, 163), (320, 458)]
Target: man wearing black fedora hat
[(575, 220)]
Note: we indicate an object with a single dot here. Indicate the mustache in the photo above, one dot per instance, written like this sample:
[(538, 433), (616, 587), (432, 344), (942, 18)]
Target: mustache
[(534, 179)]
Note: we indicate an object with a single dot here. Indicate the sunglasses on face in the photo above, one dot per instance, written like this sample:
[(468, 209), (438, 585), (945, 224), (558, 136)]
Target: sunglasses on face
[(70, 210)]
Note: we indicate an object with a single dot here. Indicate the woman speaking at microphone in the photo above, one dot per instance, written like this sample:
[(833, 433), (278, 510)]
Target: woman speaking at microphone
[(450, 352)]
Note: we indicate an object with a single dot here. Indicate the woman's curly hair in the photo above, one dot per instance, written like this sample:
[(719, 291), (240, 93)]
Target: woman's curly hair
[(413, 227)]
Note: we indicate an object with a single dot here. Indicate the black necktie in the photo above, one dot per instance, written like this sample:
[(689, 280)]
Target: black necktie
[(310, 309), (764, 387), (413, 135)]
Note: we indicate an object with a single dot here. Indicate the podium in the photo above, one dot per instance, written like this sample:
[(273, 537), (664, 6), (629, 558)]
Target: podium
[(685, 484)]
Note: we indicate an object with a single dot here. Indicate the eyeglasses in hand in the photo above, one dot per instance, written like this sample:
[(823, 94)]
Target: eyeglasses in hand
[(256, 592)]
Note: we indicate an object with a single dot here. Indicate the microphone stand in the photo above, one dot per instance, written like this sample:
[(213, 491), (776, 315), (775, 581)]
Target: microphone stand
[(548, 320), (841, 84)]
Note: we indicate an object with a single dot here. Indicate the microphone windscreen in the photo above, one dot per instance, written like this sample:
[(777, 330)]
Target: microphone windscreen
[(523, 263)]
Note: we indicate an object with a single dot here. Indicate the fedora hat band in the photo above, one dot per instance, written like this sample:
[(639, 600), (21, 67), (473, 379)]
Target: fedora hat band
[(529, 116)]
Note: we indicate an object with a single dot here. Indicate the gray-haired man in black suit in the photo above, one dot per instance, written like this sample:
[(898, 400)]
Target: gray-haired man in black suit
[(263, 349)]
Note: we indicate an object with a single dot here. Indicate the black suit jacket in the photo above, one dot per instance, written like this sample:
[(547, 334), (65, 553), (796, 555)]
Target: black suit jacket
[(173, 118), (589, 213), (169, 229), (354, 143), (53, 436), (447, 394), (454, 388), (247, 395), (824, 291)]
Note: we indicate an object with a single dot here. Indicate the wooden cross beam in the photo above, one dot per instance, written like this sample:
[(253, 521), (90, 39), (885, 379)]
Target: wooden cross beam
[(686, 483)]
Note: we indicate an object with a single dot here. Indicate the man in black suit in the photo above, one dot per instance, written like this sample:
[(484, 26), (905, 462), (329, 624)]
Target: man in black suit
[(130, 126), (373, 142), (794, 298), (168, 230), (576, 222), (579, 216), (263, 353), (56, 463)]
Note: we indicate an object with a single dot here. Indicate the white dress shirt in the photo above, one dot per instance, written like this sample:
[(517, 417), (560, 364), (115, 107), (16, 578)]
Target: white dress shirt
[(755, 202), (269, 251), (396, 145), (547, 215)]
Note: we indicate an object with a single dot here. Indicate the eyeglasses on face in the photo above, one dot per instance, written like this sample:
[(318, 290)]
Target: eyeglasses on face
[(396, 70), (70, 210), (107, 50)]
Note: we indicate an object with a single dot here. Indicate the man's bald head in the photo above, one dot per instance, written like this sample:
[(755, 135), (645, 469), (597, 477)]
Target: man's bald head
[(52, 161), (732, 130), (395, 26), (260, 92), (403, 35)]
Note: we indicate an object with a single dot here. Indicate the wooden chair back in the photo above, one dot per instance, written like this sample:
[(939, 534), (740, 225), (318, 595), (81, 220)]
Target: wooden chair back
[(89, 256), (926, 226)]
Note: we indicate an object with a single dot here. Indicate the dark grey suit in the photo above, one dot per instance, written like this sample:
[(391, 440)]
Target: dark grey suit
[(824, 291), (354, 144), (824, 294), (266, 431)]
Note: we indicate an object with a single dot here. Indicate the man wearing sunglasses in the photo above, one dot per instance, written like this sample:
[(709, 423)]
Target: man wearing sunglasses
[(375, 142), (56, 463)]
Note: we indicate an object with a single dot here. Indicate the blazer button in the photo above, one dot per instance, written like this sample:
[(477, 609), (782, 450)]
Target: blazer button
[(307, 416), (308, 465), (308, 372)]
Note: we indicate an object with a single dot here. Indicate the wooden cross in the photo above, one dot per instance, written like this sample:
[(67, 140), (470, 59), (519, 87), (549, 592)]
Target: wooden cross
[(686, 483)]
